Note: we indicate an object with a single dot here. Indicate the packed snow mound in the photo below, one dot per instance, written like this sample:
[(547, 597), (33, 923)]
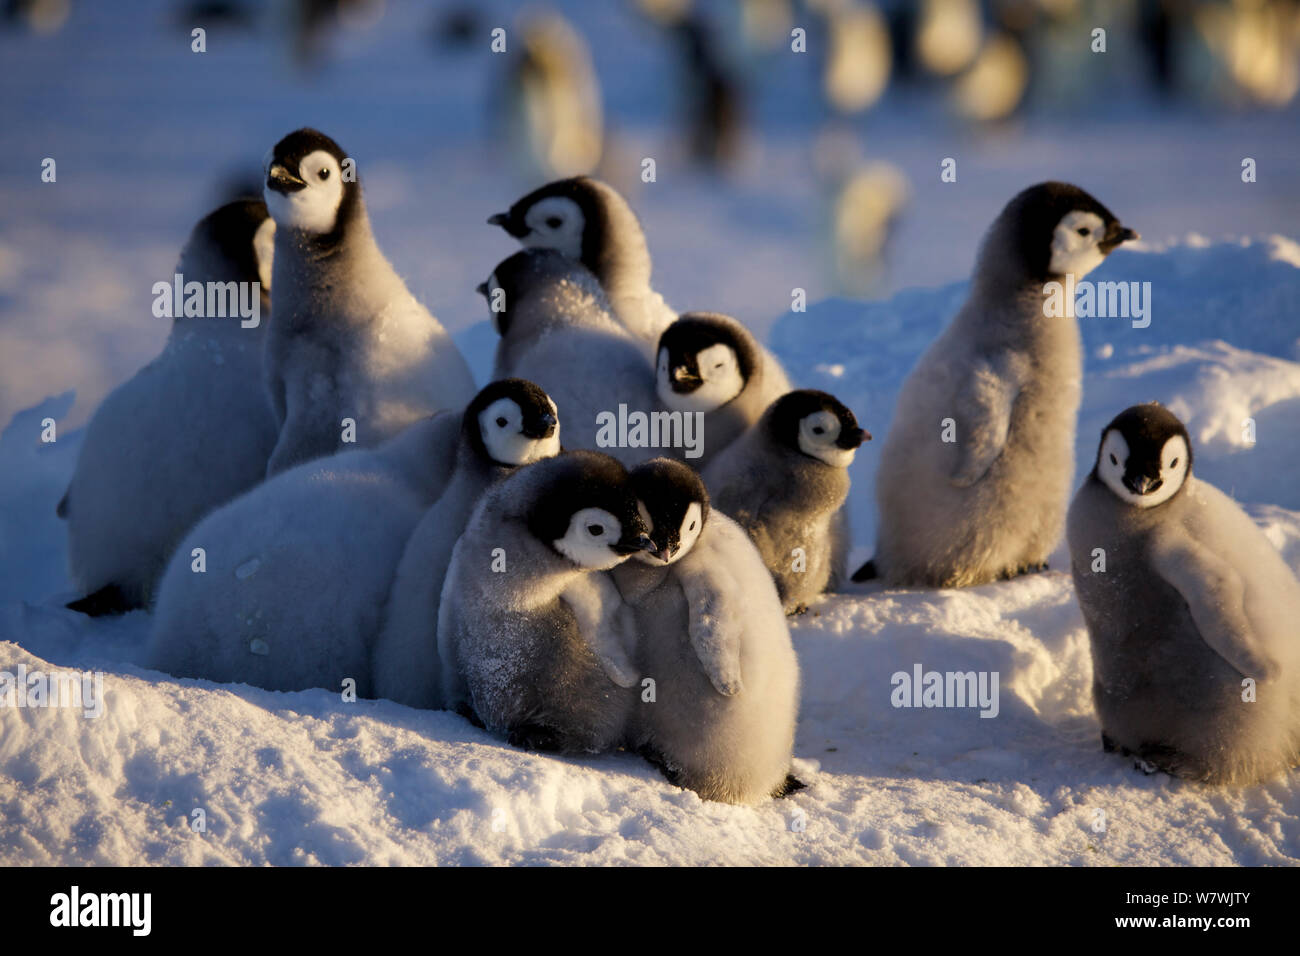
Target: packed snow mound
[(313, 779)]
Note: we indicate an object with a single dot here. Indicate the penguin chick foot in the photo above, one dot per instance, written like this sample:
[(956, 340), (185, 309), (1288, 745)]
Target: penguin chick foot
[(791, 784), (797, 610), (1107, 745), (466, 711), (108, 600), (867, 572)]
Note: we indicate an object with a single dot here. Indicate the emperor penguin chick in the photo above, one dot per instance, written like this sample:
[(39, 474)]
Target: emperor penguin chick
[(710, 363), (588, 220), (711, 636), (1191, 612), (784, 481), (556, 330), (190, 431), (511, 423), (347, 338), (532, 639), (296, 573), (975, 473)]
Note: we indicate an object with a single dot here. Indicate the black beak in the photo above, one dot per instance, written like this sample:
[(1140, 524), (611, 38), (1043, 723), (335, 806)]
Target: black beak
[(667, 553), (642, 542), (852, 438), (684, 377), (504, 220), (281, 180), (1115, 234), (543, 426), (482, 289), (1142, 485)]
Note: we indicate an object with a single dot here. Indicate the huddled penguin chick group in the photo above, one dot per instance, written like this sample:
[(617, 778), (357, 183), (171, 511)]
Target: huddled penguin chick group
[(634, 594)]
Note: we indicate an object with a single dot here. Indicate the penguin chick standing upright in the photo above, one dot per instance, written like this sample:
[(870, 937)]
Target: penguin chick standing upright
[(530, 637), (1191, 612), (347, 338), (975, 473), (516, 423), (784, 481), (587, 220), (710, 363), (711, 636), (190, 431), (556, 330)]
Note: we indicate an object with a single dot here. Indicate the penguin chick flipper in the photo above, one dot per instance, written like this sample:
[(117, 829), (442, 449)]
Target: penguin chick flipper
[(605, 624), (867, 572), (1215, 596), (984, 404), (110, 600), (62, 509), (714, 624)]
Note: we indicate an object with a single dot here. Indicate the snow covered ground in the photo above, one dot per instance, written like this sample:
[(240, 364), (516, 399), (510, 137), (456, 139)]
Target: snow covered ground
[(307, 778)]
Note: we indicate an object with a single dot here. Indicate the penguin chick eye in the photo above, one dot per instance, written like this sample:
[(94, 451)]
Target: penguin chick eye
[(324, 174), (501, 422), (595, 530), (1082, 230), (1174, 463), (817, 430), (692, 527), (1114, 460), (554, 222), (719, 365)]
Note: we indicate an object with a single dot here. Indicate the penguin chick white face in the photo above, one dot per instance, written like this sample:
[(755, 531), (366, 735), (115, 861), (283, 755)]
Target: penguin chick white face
[(1076, 244), (304, 182), (555, 222), (1145, 456), (818, 425), (703, 363), (674, 504), (586, 511), (517, 422)]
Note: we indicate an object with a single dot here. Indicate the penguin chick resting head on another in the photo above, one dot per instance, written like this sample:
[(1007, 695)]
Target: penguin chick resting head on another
[(513, 422), (305, 187), (818, 425), (584, 512), (674, 504), (1145, 455)]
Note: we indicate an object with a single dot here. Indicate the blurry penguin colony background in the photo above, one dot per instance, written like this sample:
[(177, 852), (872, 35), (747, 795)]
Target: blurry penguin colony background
[(974, 63)]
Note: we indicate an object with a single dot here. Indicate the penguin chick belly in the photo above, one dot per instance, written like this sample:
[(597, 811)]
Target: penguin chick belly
[(1160, 691), (530, 669)]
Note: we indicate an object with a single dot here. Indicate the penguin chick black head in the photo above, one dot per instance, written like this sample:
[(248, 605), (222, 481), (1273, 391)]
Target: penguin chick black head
[(513, 422), (584, 508), (531, 272), (1050, 230), (584, 219), (705, 359), (305, 188), (674, 505), (815, 424), (234, 242), (1145, 455)]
